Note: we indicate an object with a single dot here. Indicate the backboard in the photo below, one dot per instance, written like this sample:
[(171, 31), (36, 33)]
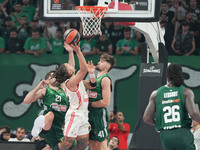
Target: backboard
[(118, 10)]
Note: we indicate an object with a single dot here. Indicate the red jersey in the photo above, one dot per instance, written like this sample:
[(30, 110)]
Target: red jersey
[(122, 136)]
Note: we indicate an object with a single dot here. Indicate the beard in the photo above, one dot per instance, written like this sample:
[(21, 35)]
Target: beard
[(97, 68)]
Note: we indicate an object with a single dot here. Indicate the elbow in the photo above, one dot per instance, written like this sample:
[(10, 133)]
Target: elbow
[(194, 115), (146, 119), (26, 101), (107, 104)]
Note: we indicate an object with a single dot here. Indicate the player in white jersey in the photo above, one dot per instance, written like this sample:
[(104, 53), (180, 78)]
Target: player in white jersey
[(76, 119)]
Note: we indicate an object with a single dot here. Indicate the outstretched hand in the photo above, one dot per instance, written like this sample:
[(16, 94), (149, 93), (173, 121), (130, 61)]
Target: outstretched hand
[(68, 47), (90, 67), (76, 47)]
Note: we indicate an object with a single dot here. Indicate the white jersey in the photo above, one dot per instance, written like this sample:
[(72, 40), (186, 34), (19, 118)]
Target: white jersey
[(76, 118), (78, 99)]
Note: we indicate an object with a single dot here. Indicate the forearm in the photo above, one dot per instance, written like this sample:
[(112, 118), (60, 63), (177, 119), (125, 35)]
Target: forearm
[(30, 97), (100, 103), (41, 51), (150, 121), (29, 51), (82, 62), (71, 58)]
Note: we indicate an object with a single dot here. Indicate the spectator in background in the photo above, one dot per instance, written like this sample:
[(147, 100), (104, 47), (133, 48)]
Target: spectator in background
[(183, 43), (119, 129), (5, 32), (14, 44), (178, 9), (20, 133), (103, 45), (128, 45), (34, 25), (2, 45), (192, 7), (113, 143), (5, 133), (116, 33), (18, 13), (87, 45), (67, 5), (35, 45), (28, 9), (51, 28), (23, 29), (169, 19), (3, 15), (57, 42), (196, 132), (193, 28)]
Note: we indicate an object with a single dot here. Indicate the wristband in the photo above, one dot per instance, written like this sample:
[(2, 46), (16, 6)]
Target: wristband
[(92, 75), (93, 84)]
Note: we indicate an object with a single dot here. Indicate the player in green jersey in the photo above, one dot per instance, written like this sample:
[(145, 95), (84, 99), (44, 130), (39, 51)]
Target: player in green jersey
[(55, 103), (172, 103), (99, 99)]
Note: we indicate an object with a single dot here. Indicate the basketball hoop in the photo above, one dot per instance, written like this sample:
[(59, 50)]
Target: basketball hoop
[(91, 19)]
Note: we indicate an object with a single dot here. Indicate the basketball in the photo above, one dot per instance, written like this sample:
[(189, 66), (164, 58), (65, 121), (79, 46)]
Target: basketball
[(71, 36)]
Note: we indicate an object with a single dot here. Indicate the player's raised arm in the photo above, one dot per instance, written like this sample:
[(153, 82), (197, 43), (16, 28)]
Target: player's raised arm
[(78, 77), (37, 93), (68, 48)]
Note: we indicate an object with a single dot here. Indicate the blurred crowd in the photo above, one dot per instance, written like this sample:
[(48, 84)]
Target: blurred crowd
[(21, 30)]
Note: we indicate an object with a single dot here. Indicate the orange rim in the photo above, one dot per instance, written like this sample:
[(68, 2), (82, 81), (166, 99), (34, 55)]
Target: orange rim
[(88, 8), (96, 9)]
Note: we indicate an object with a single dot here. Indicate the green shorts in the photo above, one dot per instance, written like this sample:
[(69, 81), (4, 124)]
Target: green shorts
[(99, 124), (53, 136), (179, 139)]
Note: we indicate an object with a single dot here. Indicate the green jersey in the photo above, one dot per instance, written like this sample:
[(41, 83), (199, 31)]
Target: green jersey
[(170, 109), (57, 102), (57, 46), (98, 126), (32, 45)]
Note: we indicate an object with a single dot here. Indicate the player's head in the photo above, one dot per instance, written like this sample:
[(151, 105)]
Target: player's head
[(64, 72), (174, 74), (50, 77), (114, 142), (106, 63)]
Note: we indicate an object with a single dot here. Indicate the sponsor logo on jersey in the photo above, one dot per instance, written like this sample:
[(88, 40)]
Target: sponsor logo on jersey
[(92, 94), (57, 107), (170, 101)]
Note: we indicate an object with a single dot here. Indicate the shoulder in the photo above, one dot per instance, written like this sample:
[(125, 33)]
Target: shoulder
[(106, 79)]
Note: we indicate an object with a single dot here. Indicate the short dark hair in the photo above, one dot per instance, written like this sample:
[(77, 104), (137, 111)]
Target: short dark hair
[(49, 74), (7, 129), (13, 30), (174, 74), (127, 29), (110, 59)]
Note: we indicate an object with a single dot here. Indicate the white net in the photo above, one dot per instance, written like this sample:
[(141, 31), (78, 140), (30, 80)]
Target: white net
[(91, 20)]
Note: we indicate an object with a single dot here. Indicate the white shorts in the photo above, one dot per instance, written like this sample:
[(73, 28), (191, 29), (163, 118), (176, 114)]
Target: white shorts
[(76, 123)]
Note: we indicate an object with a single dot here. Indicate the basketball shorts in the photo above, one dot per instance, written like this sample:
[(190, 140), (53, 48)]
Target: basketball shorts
[(179, 139), (53, 136), (76, 123), (99, 124)]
